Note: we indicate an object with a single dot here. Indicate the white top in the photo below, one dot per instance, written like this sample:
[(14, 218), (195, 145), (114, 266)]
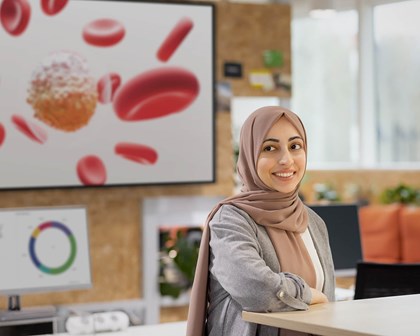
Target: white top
[(319, 272)]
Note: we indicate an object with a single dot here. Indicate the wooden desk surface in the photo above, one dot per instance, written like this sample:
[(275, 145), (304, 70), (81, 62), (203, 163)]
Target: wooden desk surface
[(390, 316)]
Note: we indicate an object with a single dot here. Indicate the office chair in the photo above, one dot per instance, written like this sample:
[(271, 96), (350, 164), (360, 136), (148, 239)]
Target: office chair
[(379, 280)]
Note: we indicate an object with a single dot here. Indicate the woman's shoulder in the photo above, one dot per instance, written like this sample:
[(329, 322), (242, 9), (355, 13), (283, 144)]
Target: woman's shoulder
[(228, 213), (230, 210)]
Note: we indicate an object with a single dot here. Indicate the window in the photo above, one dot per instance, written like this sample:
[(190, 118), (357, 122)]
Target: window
[(354, 83), (324, 80), (397, 55)]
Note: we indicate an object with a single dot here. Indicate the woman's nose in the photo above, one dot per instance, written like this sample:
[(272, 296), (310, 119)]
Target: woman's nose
[(285, 158)]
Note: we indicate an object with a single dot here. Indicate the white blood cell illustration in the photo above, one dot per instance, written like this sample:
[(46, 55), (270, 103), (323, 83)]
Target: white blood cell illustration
[(62, 92)]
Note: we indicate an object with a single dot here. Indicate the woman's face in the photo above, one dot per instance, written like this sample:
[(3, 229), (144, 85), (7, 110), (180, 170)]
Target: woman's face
[(282, 159)]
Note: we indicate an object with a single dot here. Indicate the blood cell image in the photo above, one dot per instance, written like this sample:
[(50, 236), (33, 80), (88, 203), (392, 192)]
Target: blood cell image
[(97, 86), (15, 15), (62, 92), (91, 170), (106, 86), (53, 7), (30, 129), (174, 39), (103, 32), (156, 93), (2, 134), (137, 153)]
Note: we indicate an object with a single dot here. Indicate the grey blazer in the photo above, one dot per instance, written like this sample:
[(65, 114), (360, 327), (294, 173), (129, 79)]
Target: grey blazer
[(244, 274)]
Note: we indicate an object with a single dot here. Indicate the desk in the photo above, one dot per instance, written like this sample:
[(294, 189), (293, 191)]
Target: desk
[(389, 316), (164, 329)]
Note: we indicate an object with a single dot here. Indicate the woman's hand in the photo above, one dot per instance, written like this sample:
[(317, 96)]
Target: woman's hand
[(318, 297)]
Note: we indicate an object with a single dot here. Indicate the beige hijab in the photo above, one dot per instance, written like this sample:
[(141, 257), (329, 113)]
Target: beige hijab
[(283, 215)]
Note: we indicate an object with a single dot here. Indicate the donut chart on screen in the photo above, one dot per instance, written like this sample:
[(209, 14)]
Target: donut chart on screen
[(73, 247)]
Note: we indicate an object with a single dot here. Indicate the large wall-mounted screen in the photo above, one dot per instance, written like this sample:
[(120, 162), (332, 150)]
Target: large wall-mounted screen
[(105, 93)]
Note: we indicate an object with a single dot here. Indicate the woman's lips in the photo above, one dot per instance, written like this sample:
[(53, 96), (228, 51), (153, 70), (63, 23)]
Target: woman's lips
[(284, 174)]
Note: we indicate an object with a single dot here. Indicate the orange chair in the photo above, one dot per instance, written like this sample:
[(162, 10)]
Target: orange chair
[(380, 233), (410, 234)]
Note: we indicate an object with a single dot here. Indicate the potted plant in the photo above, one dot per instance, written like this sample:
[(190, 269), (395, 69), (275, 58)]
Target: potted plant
[(401, 194), (178, 258)]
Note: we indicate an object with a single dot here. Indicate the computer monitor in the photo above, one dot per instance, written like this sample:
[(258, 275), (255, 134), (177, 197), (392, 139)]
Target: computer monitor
[(342, 222), (43, 250)]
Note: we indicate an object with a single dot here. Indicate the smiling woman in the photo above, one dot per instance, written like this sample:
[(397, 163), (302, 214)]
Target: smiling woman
[(282, 160), (263, 249)]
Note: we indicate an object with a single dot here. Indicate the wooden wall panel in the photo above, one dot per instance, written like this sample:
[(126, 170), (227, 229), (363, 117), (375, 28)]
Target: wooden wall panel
[(244, 31)]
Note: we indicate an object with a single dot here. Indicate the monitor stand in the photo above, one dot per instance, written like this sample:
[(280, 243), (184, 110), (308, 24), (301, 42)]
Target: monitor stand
[(15, 312)]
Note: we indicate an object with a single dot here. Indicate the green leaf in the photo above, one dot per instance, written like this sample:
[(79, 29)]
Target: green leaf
[(170, 290)]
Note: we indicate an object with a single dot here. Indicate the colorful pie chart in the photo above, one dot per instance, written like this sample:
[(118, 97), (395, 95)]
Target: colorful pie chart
[(33, 240)]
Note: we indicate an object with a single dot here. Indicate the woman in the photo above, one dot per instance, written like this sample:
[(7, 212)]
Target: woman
[(262, 250)]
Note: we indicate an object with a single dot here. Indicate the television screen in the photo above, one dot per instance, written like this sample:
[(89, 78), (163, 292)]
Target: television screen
[(43, 250), (102, 92), (342, 223)]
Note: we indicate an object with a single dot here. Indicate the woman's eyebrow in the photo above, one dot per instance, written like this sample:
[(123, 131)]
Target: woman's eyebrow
[(295, 137), (277, 140), (271, 139)]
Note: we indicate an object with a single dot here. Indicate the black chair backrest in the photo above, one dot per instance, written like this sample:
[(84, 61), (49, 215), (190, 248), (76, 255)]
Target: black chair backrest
[(379, 280)]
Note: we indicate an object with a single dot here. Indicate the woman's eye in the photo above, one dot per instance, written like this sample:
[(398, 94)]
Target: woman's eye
[(268, 148), (296, 146)]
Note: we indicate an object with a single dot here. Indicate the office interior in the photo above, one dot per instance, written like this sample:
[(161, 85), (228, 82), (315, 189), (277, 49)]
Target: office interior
[(378, 148)]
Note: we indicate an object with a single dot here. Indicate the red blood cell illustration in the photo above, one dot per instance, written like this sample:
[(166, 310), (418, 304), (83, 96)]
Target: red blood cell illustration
[(107, 86), (156, 93), (91, 170), (174, 39), (137, 153), (103, 32), (52, 7), (2, 134), (14, 16), (31, 130)]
